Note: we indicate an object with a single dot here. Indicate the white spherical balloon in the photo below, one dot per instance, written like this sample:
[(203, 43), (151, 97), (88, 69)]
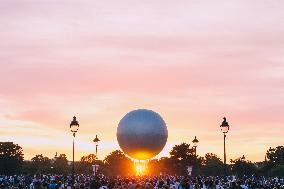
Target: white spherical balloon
[(142, 134)]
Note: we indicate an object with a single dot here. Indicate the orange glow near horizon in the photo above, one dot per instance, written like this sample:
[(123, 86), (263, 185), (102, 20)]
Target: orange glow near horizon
[(140, 167)]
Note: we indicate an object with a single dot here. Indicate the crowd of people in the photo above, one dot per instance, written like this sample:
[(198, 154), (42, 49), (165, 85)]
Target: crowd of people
[(138, 182)]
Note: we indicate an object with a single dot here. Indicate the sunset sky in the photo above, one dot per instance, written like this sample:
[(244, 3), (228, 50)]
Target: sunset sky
[(193, 62)]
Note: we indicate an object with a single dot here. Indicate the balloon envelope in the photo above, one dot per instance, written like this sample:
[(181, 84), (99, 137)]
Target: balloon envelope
[(142, 134)]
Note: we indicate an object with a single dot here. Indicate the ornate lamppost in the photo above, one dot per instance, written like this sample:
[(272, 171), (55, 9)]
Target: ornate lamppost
[(195, 144), (243, 158), (224, 128), (96, 141), (74, 126)]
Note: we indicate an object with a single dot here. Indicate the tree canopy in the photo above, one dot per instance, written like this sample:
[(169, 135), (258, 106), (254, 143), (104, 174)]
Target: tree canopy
[(116, 163), (241, 167), (212, 165), (40, 164), (11, 158), (90, 159), (182, 156)]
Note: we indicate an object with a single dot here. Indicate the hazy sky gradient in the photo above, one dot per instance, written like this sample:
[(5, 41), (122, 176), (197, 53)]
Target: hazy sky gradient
[(193, 62)]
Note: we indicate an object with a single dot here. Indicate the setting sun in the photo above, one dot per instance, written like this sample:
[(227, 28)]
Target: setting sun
[(139, 169)]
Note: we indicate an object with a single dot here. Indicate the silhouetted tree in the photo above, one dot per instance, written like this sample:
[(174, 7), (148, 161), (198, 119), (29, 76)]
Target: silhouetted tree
[(166, 166), (242, 167), (91, 159), (85, 164), (159, 166), (212, 165), (277, 170), (275, 156), (11, 158), (60, 165), (118, 164), (182, 156), (274, 164), (153, 167), (40, 164)]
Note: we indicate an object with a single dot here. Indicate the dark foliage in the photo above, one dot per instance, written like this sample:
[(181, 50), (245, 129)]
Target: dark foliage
[(212, 165), (241, 167), (181, 157), (11, 158), (116, 163)]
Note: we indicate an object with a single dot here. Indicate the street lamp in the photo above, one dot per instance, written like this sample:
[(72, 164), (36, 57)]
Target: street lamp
[(224, 128), (243, 159), (195, 143), (74, 126), (96, 141)]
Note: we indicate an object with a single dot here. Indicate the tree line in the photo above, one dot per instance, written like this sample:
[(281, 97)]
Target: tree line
[(117, 163)]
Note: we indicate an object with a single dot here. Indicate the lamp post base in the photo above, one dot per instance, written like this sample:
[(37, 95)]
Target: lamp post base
[(95, 169)]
